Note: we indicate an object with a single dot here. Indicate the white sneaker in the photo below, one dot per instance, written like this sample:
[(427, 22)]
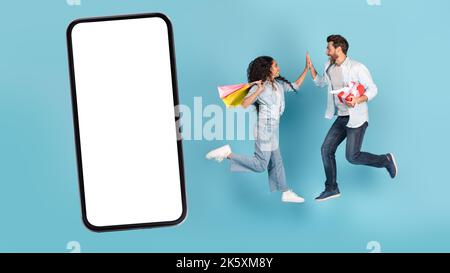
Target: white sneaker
[(290, 196), (219, 154)]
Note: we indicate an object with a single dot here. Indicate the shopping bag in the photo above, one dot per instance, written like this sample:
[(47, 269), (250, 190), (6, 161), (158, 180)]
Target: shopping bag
[(233, 95)]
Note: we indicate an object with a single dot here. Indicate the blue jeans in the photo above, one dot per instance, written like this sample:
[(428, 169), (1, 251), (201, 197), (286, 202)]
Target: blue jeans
[(267, 156), (337, 133)]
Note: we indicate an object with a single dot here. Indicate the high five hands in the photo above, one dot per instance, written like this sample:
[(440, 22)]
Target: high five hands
[(310, 66), (308, 61)]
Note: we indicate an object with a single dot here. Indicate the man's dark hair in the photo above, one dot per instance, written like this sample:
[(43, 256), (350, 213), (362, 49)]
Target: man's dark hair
[(338, 41)]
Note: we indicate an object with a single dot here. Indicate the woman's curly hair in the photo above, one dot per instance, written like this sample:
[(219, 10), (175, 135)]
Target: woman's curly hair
[(259, 70)]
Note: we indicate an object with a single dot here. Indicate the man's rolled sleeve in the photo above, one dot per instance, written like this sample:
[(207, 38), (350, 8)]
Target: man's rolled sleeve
[(320, 81)]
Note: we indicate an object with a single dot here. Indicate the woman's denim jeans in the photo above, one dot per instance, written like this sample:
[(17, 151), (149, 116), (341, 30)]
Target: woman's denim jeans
[(267, 155)]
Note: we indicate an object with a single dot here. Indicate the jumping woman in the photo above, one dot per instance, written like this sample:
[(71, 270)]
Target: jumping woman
[(267, 94)]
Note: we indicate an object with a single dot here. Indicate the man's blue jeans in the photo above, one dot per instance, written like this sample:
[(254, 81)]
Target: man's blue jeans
[(337, 133)]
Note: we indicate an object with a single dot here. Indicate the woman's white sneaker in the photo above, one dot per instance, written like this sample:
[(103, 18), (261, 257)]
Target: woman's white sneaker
[(290, 196), (219, 154)]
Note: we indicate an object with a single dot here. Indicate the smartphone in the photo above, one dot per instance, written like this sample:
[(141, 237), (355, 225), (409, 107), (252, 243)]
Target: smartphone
[(124, 96)]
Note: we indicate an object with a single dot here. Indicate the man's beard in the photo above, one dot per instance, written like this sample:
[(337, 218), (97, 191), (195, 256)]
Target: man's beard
[(332, 58)]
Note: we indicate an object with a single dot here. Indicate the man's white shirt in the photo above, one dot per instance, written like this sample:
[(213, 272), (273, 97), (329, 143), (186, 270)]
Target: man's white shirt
[(351, 71)]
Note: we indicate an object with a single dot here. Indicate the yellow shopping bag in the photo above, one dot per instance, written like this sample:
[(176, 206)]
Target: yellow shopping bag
[(237, 97)]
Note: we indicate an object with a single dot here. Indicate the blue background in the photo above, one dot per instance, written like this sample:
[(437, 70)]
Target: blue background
[(404, 44)]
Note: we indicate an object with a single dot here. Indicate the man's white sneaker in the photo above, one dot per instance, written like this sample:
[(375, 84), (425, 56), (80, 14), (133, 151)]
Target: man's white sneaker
[(290, 196), (219, 154)]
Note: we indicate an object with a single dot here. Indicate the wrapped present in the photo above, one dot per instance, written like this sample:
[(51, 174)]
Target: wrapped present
[(233, 95), (352, 89)]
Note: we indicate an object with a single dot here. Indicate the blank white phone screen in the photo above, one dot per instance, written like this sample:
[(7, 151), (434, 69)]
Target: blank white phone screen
[(126, 118)]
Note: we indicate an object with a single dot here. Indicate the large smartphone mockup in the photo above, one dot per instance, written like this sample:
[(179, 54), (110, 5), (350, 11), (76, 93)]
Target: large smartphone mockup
[(128, 147)]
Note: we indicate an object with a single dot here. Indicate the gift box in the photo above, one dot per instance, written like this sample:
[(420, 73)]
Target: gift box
[(352, 89)]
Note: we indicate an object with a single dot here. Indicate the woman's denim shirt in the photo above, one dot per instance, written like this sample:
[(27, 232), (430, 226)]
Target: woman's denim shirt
[(269, 104)]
